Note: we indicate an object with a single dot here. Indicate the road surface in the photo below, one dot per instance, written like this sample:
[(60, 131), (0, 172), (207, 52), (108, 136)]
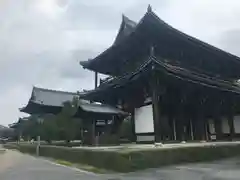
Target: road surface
[(17, 166)]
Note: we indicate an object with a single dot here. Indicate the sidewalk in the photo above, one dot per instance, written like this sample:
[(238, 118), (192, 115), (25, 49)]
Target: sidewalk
[(139, 147), (8, 159)]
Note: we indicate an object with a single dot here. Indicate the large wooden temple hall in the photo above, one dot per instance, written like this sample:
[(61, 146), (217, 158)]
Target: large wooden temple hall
[(175, 86)]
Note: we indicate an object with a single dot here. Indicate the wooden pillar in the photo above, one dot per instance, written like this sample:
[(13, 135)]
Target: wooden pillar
[(218, 126), (218, 120), (200, 129), (180, 128), (106, 128), (155, 103), (134, 138), (156, 115), (206, 130), (230, 115), (231, 126), (181, 116), (200, 120), (191, 130), (96, 79), (174, 130), (217, 110), (93, 131), (155, 99)]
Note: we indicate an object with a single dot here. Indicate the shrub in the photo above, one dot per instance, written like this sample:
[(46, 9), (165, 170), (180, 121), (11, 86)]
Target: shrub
[(109, 139), (127, 161), (70, 144)]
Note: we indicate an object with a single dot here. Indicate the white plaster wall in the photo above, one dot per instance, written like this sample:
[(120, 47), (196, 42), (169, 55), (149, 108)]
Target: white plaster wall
[(225, 126), (236, 122), (211, 126), (144, 119)]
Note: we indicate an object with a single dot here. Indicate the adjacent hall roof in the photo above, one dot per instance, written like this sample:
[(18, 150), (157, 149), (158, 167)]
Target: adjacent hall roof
[(42, 99), (51, 97)]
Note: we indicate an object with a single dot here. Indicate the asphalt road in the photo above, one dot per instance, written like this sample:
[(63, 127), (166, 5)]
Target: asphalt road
[(16, 166)]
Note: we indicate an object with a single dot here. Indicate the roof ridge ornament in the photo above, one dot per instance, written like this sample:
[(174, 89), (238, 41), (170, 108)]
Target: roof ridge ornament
[(149, 9), (123, 17)]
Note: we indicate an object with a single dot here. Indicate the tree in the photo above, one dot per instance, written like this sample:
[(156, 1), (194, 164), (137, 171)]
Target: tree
[(68, 125), (53, 127), (125, 130), (50, 129), (27, 128)]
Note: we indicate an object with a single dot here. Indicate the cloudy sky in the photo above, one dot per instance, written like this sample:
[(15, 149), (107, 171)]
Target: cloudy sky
[(42, 41)]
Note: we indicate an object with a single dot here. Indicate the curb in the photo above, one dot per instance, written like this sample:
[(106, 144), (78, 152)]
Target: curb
[(2, 150)]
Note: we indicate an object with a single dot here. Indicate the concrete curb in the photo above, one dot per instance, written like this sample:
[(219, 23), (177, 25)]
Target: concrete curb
[(2, 150)]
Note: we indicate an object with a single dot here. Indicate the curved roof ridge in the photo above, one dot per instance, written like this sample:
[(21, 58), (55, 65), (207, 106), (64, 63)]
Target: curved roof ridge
[(57, 91), (127, 27), (150, 16), (204, 45), (117, 41)]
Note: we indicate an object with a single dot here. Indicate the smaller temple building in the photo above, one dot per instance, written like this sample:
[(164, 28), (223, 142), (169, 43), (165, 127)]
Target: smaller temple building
[(98, 116)]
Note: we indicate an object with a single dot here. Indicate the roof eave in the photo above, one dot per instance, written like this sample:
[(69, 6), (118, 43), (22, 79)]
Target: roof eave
[(181, 73)]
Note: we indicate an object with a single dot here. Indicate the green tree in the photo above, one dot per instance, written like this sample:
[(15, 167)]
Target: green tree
[(125, 130), (50, 129), (27, 127), (68, 125)]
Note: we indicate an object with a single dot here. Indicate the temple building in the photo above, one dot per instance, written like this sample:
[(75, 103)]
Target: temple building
[(96, 117), (176, 87)]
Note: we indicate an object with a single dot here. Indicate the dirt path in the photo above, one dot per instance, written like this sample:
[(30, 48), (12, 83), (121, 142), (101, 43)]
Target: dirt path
[(8, 159)]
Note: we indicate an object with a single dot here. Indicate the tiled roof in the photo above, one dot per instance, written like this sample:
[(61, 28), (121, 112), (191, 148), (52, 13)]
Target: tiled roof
[(51, 97), (55, 99)]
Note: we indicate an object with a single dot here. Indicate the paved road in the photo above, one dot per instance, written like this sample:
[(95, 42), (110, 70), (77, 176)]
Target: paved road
[(16, 166)]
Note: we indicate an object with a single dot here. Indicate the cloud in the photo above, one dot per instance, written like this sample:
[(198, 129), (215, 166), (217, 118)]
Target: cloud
[(42, 41)]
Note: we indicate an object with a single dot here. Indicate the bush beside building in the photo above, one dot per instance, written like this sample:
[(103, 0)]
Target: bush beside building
[(127, 161)]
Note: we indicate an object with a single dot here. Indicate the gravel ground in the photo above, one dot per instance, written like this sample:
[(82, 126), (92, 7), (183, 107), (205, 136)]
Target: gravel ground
[(16, 166)]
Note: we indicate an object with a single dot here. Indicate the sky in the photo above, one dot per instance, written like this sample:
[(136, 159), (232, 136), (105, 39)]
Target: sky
[(42, 41)]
